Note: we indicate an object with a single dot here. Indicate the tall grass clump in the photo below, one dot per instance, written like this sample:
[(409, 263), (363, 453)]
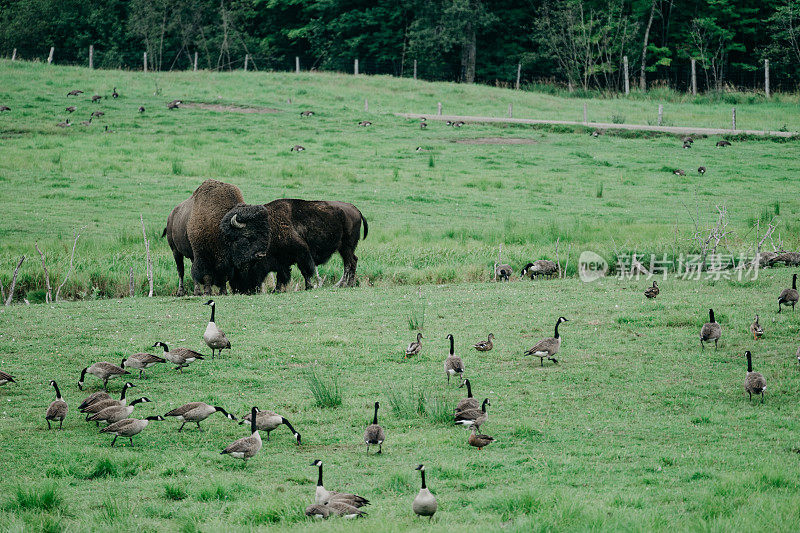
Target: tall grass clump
[(599, 190), (416, 321), (439, 410), (174, 492), (326, 393), (431, 161), (406, 404), (36, 499), (177, 167)]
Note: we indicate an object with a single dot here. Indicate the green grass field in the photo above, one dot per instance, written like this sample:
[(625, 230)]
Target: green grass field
[(637, 429)]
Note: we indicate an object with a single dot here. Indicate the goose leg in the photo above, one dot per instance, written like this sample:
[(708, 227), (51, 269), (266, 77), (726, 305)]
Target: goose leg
[(198, 424), (181, 428), (268, 435), (762, 396), (48, 424), (715, 344), (105, 384), (61, 422), (113, 441), (541, 361), (380, 446), (131, 441), (553, 359), (750, 395)]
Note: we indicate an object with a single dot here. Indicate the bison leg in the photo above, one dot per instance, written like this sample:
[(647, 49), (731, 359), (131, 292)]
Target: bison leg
[(307, 268), (202, 280), (282, 278), (179, 263), (349, 274)]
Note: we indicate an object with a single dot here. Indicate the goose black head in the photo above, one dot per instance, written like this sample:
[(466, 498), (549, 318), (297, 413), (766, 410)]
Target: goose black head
[(316, 462), (420, 467)]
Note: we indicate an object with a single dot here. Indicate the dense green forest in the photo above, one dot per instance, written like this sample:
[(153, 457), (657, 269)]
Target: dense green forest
[(579, 44)]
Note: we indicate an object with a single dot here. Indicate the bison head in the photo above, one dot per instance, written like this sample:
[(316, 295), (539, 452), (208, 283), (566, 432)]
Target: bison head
[(245, 234)]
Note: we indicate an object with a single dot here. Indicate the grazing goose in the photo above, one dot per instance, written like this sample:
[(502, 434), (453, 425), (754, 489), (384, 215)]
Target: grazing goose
[(425, 502), (597, 133), (415, 347), (711, 331), (322, 496), (344, 509), (94, 397), (4, 108), (466, 403), (450, 122), (679, 172), (459, 124), (96, 407), (365, 123), (723, 143), (548, 348), (686, 146), (96, 98), (787, 258), (86, 122), (70, 109), (478, 440), (687, 140), (540, 267), (756, 329), (374, 435), (246, 447), (474, 417), (141, 109), (307, 114), (269, 421), (214, 337), (57, 411), (115, 94), (423, 125), (174, 105), (701, 170), (102, 370), (6, 378), (97, 114), (485, 346), (754, 382), (316, 510), (64, 124), (179, 356), (129, 427), (115, 413), (74, 92), (297, 148), (196, 412), (503, 271), (652, 292), (453, 364), (789, 296), (141, 361)]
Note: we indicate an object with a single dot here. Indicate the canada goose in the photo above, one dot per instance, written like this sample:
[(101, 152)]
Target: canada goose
[(459, 124), (141, 109), (214, 337), (74, 92), (106, 130), (115, 413), (686, 146), (102, 370), (754, 382), (474, 417), (374, 435), (687, 140), (196, 412), (141, 361), (322, 496), (425, 502), (423, 125), (548, 348), (6, 378), (174, 105), (466, 403), (701, 170), (115, 94), (365, 123), (64, 124), (246, 447), (652, 292), (503, 271), (179, 356), (485, 346), (414, 347), (297, 148), (128, 427), (478, 440), (86, 122), (789, 296), (450, 123), (679, 172), (97, 114), (70, 109), (756, 329), (711, 331), (423, 119), (96, 407), (4, 108), (344, 509), (57, 409), (96, 98), (723, 143), (316, 510), (787, 258), (453, 364), (307, 114), (269, 421), (94, 397), (597, 133), (540, 267)]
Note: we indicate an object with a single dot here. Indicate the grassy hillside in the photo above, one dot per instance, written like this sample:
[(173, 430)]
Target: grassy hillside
[(435, 216), (636, 429)]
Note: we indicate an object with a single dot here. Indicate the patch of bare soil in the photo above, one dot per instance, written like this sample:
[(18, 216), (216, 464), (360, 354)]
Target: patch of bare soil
[(229, 108), (497, 140)]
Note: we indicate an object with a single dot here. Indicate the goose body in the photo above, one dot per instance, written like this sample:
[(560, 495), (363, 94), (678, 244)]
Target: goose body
[(6, 378), (115, 94), (323, 496), (96, 98), (723, 143), (196, 412), (4, 108), (479, 441), (503, 271), (102, 370), (787, 258), (344, 509), (97, 114), (297, 148), (469, 402), (425, 502), (374, 434), (679, 172), (246, 447), (701, 170), (474, 417), (94, 397), (269, 421), (540, 267), (213, 336), (141, 109), (74, 92), (453, 365), (316, 510), (128, 427), (115, 413), (365, 123), (789, 296), (711, 331), (65, 124), (70, 109), (57, 411), (307, 114), (548, 348), (756, 329), (754, 382), (652, 292), (485, 346), (141, 361), (100, 404), (414, 348), (182, 357), (175, 104)]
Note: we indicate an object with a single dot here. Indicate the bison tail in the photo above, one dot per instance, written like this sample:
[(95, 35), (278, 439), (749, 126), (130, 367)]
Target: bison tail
[(366, 226), (164, 233)]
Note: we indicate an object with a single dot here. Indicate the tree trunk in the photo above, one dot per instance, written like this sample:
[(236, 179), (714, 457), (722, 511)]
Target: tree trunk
[(642, 77), (468, 54)]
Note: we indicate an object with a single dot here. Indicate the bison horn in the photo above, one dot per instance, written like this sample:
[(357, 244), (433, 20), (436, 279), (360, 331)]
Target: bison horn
[(235, 223)]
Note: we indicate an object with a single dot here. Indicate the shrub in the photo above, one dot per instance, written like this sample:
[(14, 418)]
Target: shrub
[(326, 393)]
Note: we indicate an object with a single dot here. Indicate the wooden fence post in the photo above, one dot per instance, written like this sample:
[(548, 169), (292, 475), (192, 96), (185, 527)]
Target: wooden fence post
[(144, 61), (694, 77), (766, 77), (246, 60), (14, 55), (297, 64), (195, 61), (627, 78), (439, 108), (660, 114), (50, 57), (415, 70), (510, 110), (91, 56), (355, 67), (733, 118), (585, 118), (519, 73)]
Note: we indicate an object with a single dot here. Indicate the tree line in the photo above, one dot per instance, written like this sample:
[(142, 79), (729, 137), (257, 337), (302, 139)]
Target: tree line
[(579, 44)]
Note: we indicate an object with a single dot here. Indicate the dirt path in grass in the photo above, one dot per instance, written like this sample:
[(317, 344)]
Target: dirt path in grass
[(678, 130)]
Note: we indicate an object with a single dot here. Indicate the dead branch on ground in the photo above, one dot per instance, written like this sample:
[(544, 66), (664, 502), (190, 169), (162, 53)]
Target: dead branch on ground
[(14, 282)]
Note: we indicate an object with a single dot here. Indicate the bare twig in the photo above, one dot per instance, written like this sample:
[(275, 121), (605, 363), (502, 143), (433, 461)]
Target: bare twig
[(14, 282), (558, 263), (149, 260), (499, 261), (2, 292), (566, 263), (48, 297), (71, 258), (131, 286)]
